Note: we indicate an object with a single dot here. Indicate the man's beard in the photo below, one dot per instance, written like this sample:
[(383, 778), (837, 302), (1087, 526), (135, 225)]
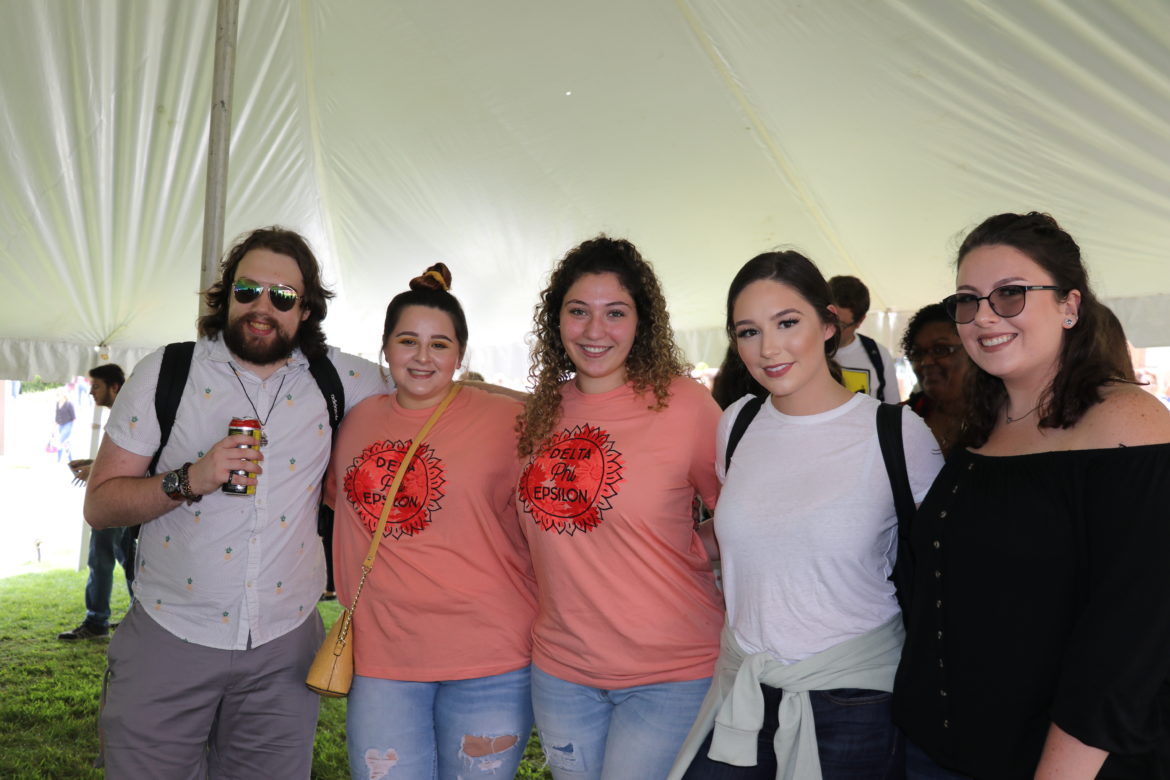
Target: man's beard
[(265, 353)]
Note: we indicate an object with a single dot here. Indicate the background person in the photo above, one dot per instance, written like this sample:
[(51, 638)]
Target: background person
[(63, 417), (616, 440), (443, 633), (1039, 633), (867, 367), (931, 344), (108, 544), (808, 532)]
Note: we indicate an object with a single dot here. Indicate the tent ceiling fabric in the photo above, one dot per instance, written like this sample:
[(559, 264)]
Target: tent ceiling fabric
[(495, 135)]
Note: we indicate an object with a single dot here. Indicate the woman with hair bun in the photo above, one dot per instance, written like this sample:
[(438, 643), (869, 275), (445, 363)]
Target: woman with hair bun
[(617, 440), (1039, 631), (442, 635)]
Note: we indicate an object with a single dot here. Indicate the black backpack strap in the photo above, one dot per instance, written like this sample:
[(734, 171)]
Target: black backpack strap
[(889, 429), (875, 357), (329, 383), (747, 413), (172, 378)]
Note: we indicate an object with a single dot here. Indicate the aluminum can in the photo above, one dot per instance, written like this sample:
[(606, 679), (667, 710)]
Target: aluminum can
[(250, 426)]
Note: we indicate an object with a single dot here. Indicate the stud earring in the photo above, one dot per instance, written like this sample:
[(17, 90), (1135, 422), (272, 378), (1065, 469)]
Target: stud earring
[(1068, 323)]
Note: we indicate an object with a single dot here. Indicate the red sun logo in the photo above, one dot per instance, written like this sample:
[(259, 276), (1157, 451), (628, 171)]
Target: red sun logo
[(367, 481), (568, 485)]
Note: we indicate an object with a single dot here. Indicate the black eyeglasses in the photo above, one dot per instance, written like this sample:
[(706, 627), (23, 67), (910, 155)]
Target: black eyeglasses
[(1006, 301), (938, 352), (282, 296)]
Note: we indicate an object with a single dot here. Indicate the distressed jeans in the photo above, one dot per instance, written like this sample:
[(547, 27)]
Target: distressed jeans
[(621, 734), (426, 730)]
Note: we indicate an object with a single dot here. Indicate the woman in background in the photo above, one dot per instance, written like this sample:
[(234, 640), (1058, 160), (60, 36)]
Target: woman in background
[(931, 344), (1039, 632)]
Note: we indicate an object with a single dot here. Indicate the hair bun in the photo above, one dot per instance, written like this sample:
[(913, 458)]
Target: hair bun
[(437, 277)]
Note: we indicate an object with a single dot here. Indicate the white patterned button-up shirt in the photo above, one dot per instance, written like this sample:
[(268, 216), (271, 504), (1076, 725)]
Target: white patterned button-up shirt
[(235, 571)]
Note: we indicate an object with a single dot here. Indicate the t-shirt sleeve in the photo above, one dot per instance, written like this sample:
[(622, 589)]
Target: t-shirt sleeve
[(704, 416), (133, 424), (1113, 690), (892, 396), (359, 377), (924, 460)]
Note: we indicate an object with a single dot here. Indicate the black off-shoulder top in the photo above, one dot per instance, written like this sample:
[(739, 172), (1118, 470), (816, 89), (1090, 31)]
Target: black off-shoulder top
[(1041, 594)]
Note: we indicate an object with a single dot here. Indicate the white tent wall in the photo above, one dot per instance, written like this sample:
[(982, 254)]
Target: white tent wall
[(495, 135)]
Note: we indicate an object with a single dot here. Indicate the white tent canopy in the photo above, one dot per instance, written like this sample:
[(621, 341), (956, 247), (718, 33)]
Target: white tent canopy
[(495, 135)]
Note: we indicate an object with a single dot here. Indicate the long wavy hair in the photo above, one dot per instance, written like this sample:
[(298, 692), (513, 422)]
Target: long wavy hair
[(1089, 358), (310, 337), (654, 360)]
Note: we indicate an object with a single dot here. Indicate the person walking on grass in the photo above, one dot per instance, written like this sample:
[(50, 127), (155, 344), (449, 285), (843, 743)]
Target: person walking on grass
[(108, 544)]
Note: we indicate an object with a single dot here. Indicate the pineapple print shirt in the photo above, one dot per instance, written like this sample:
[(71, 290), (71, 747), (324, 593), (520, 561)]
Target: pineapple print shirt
[(236, 571)]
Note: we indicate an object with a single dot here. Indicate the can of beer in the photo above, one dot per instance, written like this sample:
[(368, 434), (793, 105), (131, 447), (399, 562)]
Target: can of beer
[(250, 426)]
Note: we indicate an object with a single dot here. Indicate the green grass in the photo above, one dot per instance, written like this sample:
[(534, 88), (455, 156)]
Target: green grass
[(49, 689)]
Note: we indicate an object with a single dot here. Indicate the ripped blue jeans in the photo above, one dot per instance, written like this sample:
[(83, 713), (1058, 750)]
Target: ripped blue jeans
[(438, 730), (619, 734)]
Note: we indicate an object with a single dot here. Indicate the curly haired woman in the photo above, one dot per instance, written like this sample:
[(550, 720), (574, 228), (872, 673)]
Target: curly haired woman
[(617, 441)]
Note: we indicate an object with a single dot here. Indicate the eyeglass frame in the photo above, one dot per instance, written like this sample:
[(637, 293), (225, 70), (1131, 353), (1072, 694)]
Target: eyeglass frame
[(936, 351), (274, 291), (951, 303)]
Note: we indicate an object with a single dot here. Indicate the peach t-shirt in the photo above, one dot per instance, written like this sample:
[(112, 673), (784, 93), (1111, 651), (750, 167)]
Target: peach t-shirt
[(452, 594), (627, 596)]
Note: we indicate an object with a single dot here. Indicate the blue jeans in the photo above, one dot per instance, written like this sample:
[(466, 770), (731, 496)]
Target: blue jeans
[(105, 547), (427, 730), (856, 739), (625, 733)]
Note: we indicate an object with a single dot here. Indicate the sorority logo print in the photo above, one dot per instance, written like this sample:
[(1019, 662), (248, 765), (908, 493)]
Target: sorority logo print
[(367, 481), (567, 486)]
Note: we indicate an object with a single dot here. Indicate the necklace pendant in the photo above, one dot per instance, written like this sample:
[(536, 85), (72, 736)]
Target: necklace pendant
[(263, 438)]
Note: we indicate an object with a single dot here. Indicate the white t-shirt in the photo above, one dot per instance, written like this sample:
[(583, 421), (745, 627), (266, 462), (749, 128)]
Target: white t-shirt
[(861, 374), (807, 527)]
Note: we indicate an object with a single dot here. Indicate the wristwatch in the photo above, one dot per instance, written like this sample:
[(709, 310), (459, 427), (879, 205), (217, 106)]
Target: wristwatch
[(177, 485)]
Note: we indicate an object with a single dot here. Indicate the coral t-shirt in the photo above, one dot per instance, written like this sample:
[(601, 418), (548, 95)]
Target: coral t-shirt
[(452, 594), (627, 596)]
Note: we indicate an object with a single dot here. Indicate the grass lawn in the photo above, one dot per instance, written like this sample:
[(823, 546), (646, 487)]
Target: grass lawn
[(49, 689)]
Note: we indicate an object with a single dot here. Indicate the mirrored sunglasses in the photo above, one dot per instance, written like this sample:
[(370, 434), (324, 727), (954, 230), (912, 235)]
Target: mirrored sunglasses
[(282, 296), (1006, 301)]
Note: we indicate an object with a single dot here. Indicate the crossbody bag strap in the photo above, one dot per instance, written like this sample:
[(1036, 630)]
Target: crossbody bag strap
[(368, 563)]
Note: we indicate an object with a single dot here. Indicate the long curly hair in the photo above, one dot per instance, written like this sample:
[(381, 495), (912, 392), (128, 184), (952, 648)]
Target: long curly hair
[(315, 300), (1089, 358), (654, 360)]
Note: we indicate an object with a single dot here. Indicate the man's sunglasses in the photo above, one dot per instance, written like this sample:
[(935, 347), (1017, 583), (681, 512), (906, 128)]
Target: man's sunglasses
[(937, 351), (282, 296), (1006, 301)]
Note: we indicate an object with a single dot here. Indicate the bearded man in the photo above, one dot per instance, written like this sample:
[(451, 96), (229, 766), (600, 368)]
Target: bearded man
[(206, 672)]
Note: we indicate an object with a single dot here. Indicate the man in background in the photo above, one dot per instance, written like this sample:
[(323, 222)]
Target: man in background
[(109, 544), (866, 366)]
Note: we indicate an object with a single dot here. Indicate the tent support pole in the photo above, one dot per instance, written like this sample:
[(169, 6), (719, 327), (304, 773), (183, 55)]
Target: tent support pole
[(218, 150)]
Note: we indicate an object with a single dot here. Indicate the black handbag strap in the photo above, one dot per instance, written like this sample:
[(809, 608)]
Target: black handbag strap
[(747, 413), (875, 356)]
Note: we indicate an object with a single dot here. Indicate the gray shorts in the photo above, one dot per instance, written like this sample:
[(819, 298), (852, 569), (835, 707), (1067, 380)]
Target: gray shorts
[(179, 710)]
